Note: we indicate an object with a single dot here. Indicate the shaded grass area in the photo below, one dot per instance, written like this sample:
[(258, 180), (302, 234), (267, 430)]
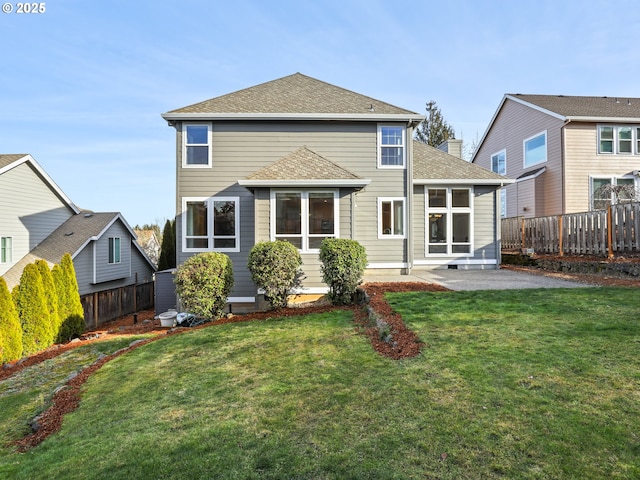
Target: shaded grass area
[(517, 384)]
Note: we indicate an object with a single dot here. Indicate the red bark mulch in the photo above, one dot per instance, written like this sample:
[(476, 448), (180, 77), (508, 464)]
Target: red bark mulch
[(404, 343)]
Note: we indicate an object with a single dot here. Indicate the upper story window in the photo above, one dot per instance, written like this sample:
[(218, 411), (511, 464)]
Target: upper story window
[(211, 224), (114, 249), (499, 162), (535, 149), (618, 139), (304, 218), (391, 218), (391, 146), (197, 145), (6, 248)]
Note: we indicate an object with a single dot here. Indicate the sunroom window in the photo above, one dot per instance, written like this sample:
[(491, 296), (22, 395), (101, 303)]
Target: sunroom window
[(449, 221)]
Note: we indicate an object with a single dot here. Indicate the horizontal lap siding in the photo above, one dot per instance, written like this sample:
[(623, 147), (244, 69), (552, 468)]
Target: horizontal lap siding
[(104, 270), (513, 124), (484, 224), (583, 162), (240, 149), (30, 210)]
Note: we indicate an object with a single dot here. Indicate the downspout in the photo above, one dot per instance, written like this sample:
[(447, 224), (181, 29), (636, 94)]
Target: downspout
[(409, 187), (563, 146)]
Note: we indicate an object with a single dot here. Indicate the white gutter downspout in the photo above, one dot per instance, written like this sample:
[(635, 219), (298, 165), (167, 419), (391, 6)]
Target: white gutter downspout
[(409, 212), (563, 146)]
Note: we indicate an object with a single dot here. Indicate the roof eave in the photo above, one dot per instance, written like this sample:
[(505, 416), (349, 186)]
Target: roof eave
[(462, 181), (359, 183), (359, 117), (604, 119)]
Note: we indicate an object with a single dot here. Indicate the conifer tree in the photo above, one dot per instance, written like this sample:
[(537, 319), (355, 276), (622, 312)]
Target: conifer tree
[(31, 305), (51, 295), (72, 311), (10, 328), (434, 130), (168, 249)]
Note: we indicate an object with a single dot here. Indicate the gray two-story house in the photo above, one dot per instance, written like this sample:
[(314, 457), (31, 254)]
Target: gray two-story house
[(301, 160)]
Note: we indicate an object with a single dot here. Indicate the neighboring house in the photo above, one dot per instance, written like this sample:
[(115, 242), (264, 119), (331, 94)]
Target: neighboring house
[(301, 160), (43, 224), (568, 154), (148, 240)]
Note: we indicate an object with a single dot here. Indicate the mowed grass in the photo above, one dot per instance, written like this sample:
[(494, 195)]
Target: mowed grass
[(513, 384)]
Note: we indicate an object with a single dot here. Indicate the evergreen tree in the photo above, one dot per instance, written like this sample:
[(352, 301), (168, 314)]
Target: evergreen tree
[(73, 291), (168, 249), (31, 303), (51, 294), (71, 310), (434, 130), (10, 328)]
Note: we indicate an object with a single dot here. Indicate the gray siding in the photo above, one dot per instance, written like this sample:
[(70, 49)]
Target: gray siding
[(30, 210), (115, 271), (240, 149)]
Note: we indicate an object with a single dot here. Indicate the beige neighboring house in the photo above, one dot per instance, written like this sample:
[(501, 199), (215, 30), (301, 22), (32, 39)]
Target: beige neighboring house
[(301, 160), (148, 241), (567, 154)]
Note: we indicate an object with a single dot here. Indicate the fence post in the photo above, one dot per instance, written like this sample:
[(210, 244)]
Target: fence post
[(560, 245), (609, 232), (522, 243)]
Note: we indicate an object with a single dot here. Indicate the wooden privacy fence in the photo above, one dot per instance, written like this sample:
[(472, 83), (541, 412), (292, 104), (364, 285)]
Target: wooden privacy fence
[(100, 307), (615, 230)]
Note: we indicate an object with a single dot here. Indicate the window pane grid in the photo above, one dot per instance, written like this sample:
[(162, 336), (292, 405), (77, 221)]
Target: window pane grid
[(391, 146), (448, 221), (304, 218)]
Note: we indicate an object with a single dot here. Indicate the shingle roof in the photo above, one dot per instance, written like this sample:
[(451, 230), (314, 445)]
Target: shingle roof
[(431, 164), (303, 164), (67, 238), (592, 107), (8, 159), (294, 94)]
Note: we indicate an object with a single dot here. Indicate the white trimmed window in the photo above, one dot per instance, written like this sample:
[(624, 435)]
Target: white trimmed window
[(449, 221), (304, 217), (607, 191), (196, 140), (6, 249), (114, 249), (391, 218), (535, 149), (211, 224), (618, 140), (499, 165), (391, 146)]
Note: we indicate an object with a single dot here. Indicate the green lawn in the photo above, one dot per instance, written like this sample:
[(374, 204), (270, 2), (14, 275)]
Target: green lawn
[(514, 384)]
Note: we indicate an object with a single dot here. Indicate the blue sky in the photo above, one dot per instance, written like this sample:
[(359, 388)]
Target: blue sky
[(82, 85)]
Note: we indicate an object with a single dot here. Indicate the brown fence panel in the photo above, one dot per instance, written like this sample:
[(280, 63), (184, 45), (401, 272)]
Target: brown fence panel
[(101, 307), (576, 233)]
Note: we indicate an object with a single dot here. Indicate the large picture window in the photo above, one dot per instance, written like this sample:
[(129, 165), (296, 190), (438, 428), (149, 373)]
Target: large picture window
[(391, 146), (304, 218), (211, 224), (535, 150), (197, 145), (449, 221), (6, 248)]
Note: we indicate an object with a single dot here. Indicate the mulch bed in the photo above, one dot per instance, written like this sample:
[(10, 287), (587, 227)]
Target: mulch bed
[(405, 344)]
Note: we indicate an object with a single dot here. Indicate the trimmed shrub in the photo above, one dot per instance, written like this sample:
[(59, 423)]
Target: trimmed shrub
[(343, 263), (72, 327), (275, 267), (51, 294), (31, 304), (10, 328), (203, 283)]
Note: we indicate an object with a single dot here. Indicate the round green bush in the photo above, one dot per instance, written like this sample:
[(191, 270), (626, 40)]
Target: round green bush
[(343, 264), (275, 268), (203, 283)]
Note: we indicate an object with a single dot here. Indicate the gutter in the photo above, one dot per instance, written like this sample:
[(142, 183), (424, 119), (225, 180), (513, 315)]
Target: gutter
[(395, 117)]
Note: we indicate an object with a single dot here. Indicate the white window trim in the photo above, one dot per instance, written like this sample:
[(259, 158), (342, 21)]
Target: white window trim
[(381, 234), (524, 149), (112, 252), (304, 206), (209, 144), (613, 180), (9, 258), (635, 140), (404, 147), (210, 219), (449, 211), (504, 150)]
